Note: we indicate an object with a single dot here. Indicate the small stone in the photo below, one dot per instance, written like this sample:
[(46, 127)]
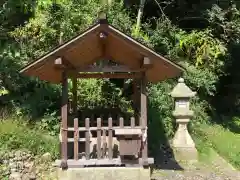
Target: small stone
[(28, 165), (46, 157), (32, 176), (20, 165), (12, 165), (13, 170), (24, 158), (25, 177), (7, 173), (28, 155), (15, 176), (18, 153), (10, 155), (5, 161)]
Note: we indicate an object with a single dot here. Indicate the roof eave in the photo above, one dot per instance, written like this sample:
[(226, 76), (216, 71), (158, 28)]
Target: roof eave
[(59, 48)]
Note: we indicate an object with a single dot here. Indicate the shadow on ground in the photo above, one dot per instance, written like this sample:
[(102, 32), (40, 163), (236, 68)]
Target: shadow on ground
[(159, 146)]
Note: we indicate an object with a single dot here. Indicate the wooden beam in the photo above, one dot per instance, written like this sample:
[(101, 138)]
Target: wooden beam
[(83, 129), (146, 61), (136, 99), (74, 92), (119, 68), (108, 75), (64, 114), (144, 118)]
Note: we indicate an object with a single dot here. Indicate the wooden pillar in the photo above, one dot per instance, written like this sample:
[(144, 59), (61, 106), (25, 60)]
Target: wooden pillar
[(64, 116), (136, 101), (144, 119), (74, 92)]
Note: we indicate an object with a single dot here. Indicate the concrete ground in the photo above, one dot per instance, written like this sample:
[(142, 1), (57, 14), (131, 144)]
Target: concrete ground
[(214, 168)]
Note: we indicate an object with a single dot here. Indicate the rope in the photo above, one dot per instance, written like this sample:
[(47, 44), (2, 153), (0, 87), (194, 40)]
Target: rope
[(60, 134), (64, 129), (76, 133), (144, 136)]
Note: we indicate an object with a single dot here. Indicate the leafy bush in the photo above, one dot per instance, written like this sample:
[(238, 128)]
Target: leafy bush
[(50, 123), (16, 134)]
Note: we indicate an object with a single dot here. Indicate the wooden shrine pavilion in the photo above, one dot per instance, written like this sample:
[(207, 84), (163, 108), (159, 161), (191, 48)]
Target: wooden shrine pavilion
[(94, 143)]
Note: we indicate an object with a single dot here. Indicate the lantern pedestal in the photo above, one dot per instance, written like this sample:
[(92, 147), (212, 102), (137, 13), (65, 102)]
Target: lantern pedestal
[(183, 145), (185, 154)]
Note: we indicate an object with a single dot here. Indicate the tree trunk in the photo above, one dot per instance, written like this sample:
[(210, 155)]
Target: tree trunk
[(139, 17)]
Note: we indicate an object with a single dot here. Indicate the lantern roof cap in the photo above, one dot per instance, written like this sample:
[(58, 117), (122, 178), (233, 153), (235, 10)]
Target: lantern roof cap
[(181, 90)]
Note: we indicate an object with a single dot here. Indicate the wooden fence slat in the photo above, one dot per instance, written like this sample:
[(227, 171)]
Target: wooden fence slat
[(76, 137), (121, 122), (87, 136), (110, 138), (99, 138), (132, 122), (104, 144), (103, 127)]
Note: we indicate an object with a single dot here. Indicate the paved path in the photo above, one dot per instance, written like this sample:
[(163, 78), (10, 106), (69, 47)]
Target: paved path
[(215, 168), (195, 175)]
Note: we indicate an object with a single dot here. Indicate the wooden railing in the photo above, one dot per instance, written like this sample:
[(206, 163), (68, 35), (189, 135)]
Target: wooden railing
[(100, 144)]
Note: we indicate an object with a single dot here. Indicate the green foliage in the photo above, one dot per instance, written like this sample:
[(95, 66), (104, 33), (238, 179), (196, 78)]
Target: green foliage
[(215, 135), (50, 123), (202, 49), (16, 134), (99, 93), (225, 23), (161, 102), (236, 121), (89, 93), (165, 37), (201, 80), (3, 91)]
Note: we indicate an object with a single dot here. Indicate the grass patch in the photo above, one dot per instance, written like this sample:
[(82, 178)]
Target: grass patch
[(17, 134), (223, 141)]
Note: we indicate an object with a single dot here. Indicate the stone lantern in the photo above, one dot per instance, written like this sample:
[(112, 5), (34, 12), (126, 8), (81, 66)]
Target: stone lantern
[(182, 143)]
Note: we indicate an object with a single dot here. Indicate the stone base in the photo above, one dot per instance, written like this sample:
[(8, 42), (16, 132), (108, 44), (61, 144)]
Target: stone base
[(185, 154), (104, 173)]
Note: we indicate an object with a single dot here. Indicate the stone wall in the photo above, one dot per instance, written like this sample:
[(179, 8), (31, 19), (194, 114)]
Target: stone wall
[(23, 165)]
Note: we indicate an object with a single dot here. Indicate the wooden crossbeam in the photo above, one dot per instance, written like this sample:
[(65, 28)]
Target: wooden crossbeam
[(119, 68), (106, 75)]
